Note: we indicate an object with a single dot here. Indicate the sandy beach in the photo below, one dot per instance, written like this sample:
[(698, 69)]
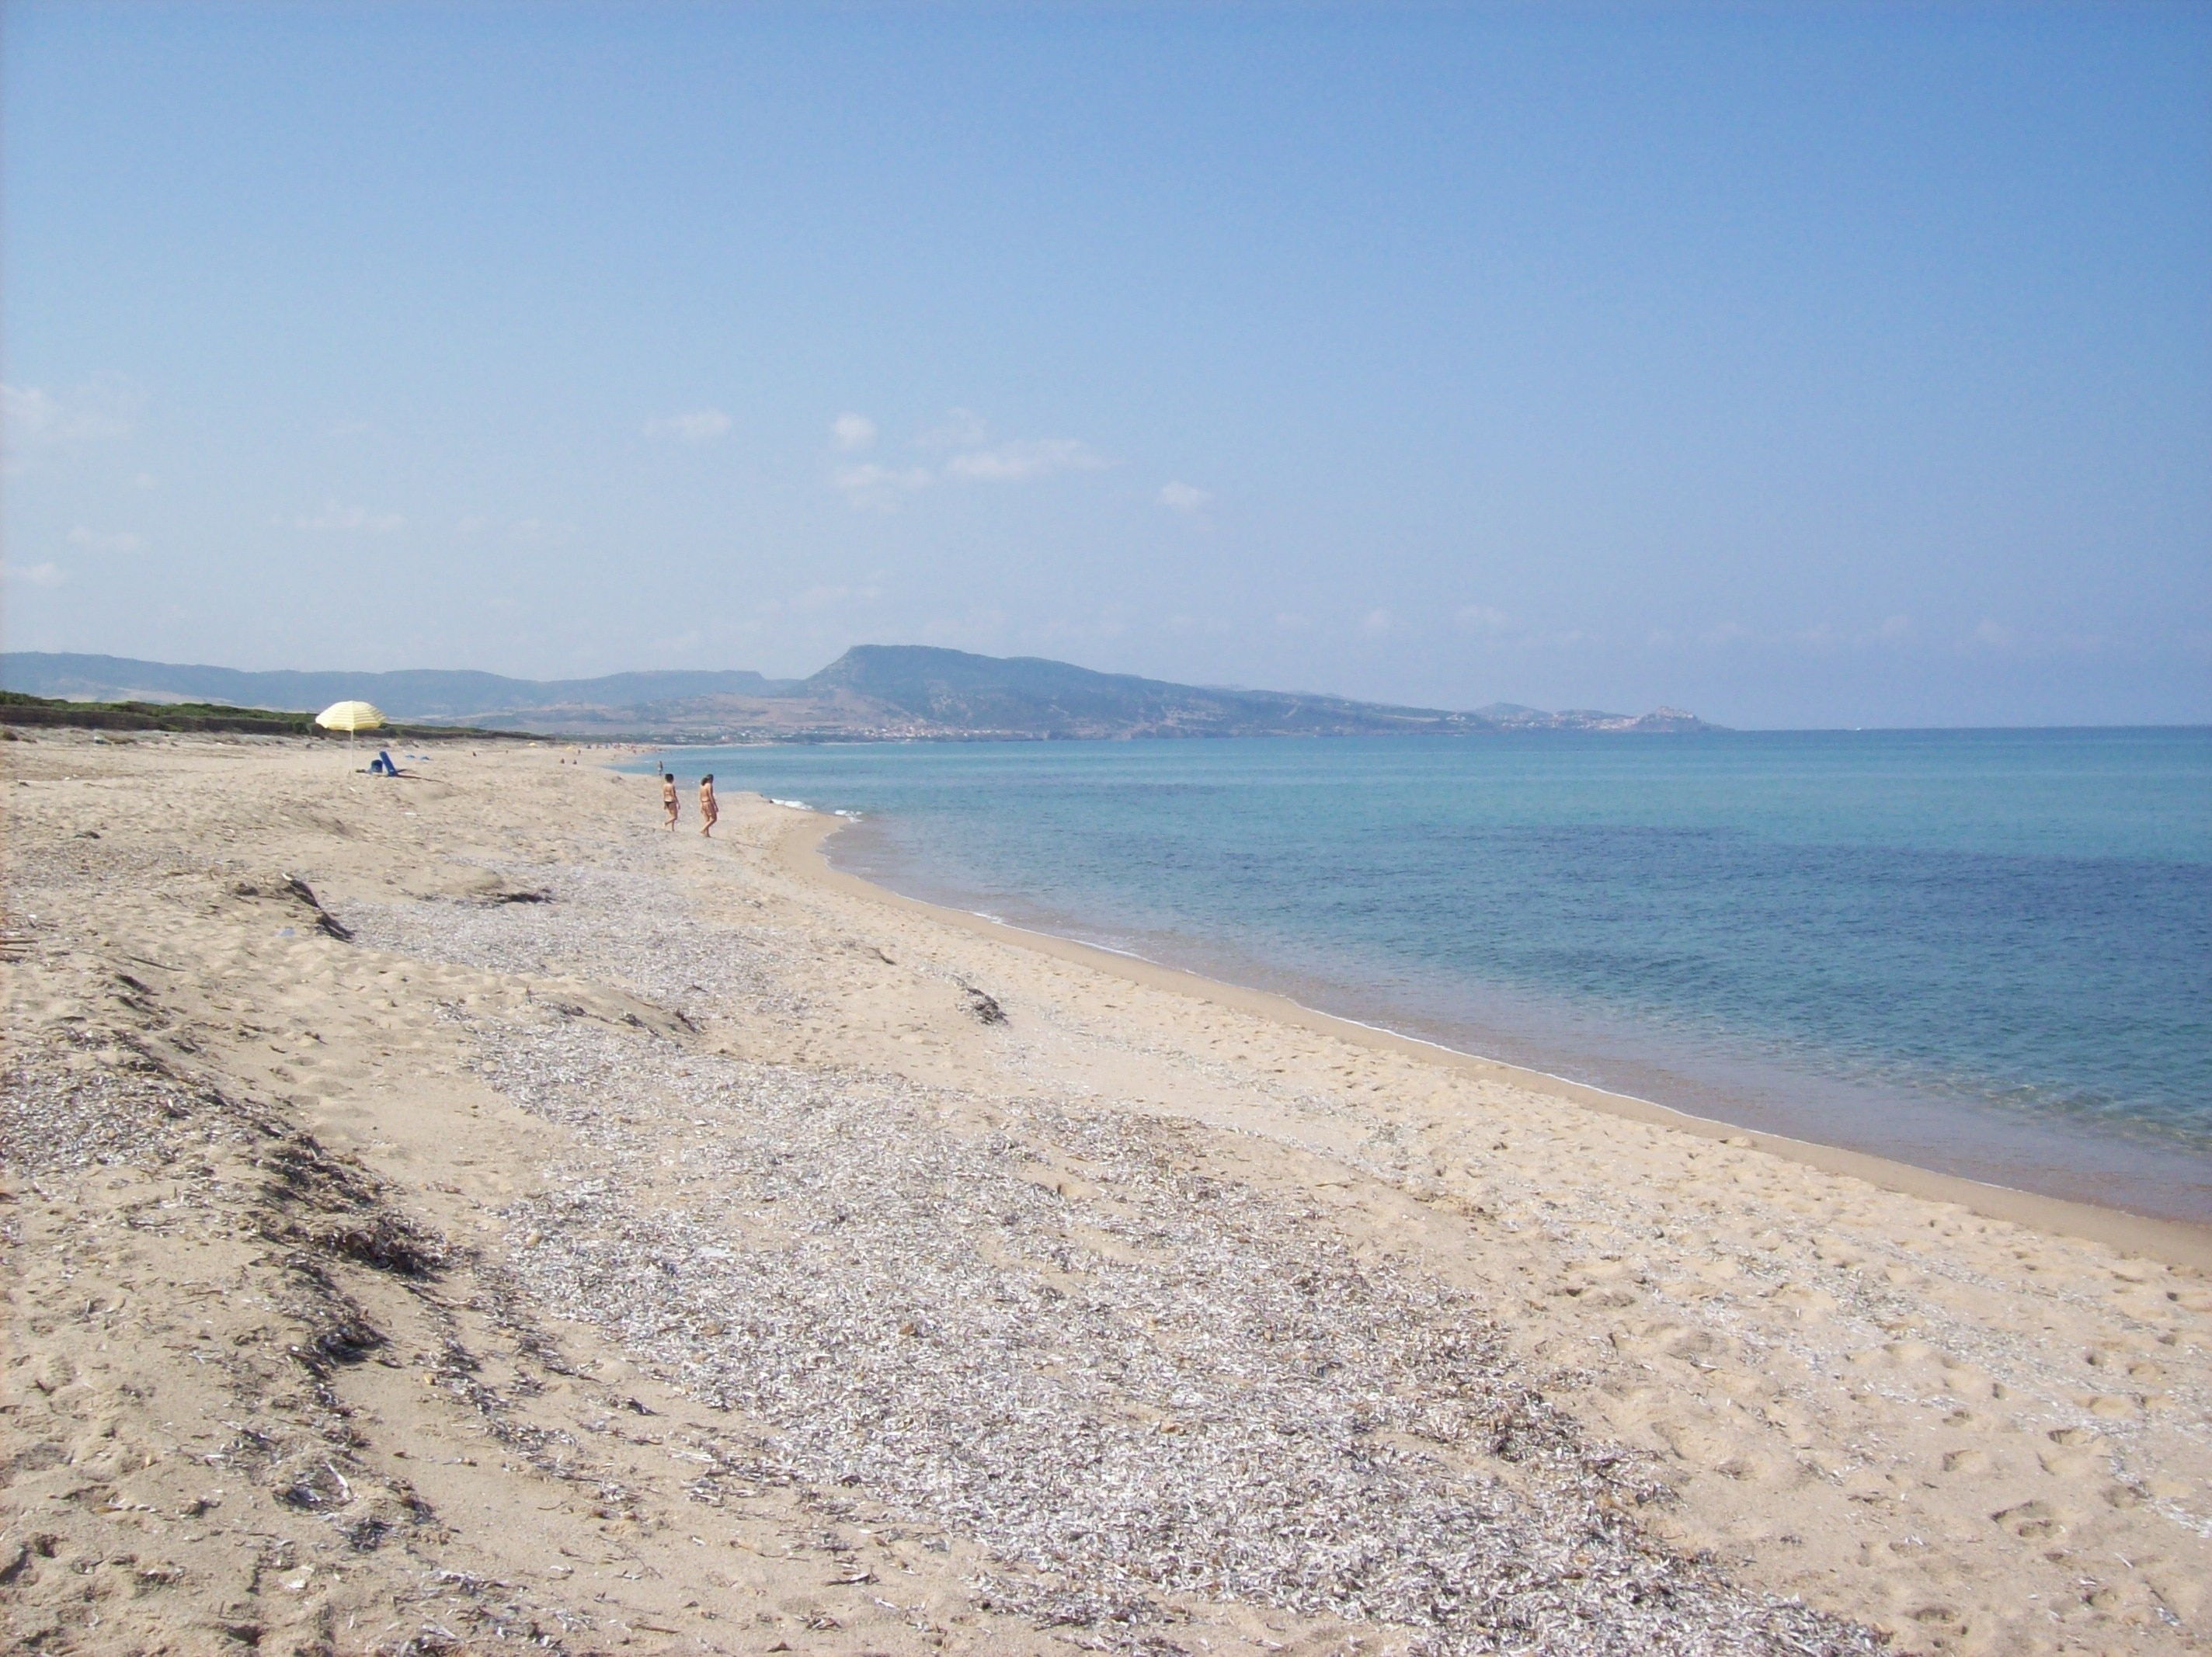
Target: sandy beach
[(450, 1213)]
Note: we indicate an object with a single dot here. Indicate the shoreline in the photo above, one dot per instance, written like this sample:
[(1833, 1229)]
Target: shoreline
[(803, 851), (450, 1207)]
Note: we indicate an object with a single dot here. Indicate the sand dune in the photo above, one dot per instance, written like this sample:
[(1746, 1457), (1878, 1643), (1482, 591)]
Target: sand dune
[(451, 1211)]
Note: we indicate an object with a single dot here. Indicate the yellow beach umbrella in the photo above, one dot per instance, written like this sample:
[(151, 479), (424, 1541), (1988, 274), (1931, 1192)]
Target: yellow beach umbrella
[(350, 717)]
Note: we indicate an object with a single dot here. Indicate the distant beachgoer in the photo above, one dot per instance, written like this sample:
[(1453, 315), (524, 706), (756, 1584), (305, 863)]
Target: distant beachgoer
[(707, 808), (669, 802)]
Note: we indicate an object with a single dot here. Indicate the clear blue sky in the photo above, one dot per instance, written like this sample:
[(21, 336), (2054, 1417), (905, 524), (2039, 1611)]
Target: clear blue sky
[(1797, 366)]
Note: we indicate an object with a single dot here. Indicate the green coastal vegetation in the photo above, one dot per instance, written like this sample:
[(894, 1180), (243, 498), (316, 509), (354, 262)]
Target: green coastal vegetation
[(17, 708)]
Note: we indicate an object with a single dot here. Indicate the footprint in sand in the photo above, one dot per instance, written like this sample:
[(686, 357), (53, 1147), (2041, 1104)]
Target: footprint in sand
[(2031, 1522)]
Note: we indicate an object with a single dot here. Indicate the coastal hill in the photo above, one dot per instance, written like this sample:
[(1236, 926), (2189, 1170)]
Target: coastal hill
[(950, 690), (870, 691), (419, 694)]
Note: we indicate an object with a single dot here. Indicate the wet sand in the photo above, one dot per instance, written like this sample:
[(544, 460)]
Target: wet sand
[(2172, 1240), (633, 1240)]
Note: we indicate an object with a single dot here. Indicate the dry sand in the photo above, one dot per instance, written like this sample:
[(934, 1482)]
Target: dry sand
[(530, 1226)]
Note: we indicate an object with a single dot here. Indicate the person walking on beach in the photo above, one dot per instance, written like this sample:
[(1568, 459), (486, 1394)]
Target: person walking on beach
[(707, 808), (669, 802)]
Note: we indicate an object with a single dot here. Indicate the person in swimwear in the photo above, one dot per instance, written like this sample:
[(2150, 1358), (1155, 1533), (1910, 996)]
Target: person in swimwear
[(669, 802), (707, 808)]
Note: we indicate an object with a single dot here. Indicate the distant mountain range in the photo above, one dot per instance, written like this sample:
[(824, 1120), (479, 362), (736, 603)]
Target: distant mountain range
[(872, 691)]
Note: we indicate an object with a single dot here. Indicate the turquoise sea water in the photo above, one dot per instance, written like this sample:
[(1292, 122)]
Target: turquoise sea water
[(1989, 952)]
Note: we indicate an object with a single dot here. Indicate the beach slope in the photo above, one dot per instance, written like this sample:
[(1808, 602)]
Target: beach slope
[(450, 1210)]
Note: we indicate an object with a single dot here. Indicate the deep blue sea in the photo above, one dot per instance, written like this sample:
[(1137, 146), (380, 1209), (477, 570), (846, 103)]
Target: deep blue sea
[(1988, 952)]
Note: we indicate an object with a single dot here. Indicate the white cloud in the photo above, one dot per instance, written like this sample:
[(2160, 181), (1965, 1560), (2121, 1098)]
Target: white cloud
[(961, 428), (1896, 627), (976, 460), (697, 427), (539, 531), (348, 520), (1183, 497), (1995, 634), (144, 481), (1290, 622), (32, 415), (93, 541), (878, 487), (34, 575), (1726, 633), (34, 421), (1376, 623), (870, 475), (1013, 462), (1481, 618)]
